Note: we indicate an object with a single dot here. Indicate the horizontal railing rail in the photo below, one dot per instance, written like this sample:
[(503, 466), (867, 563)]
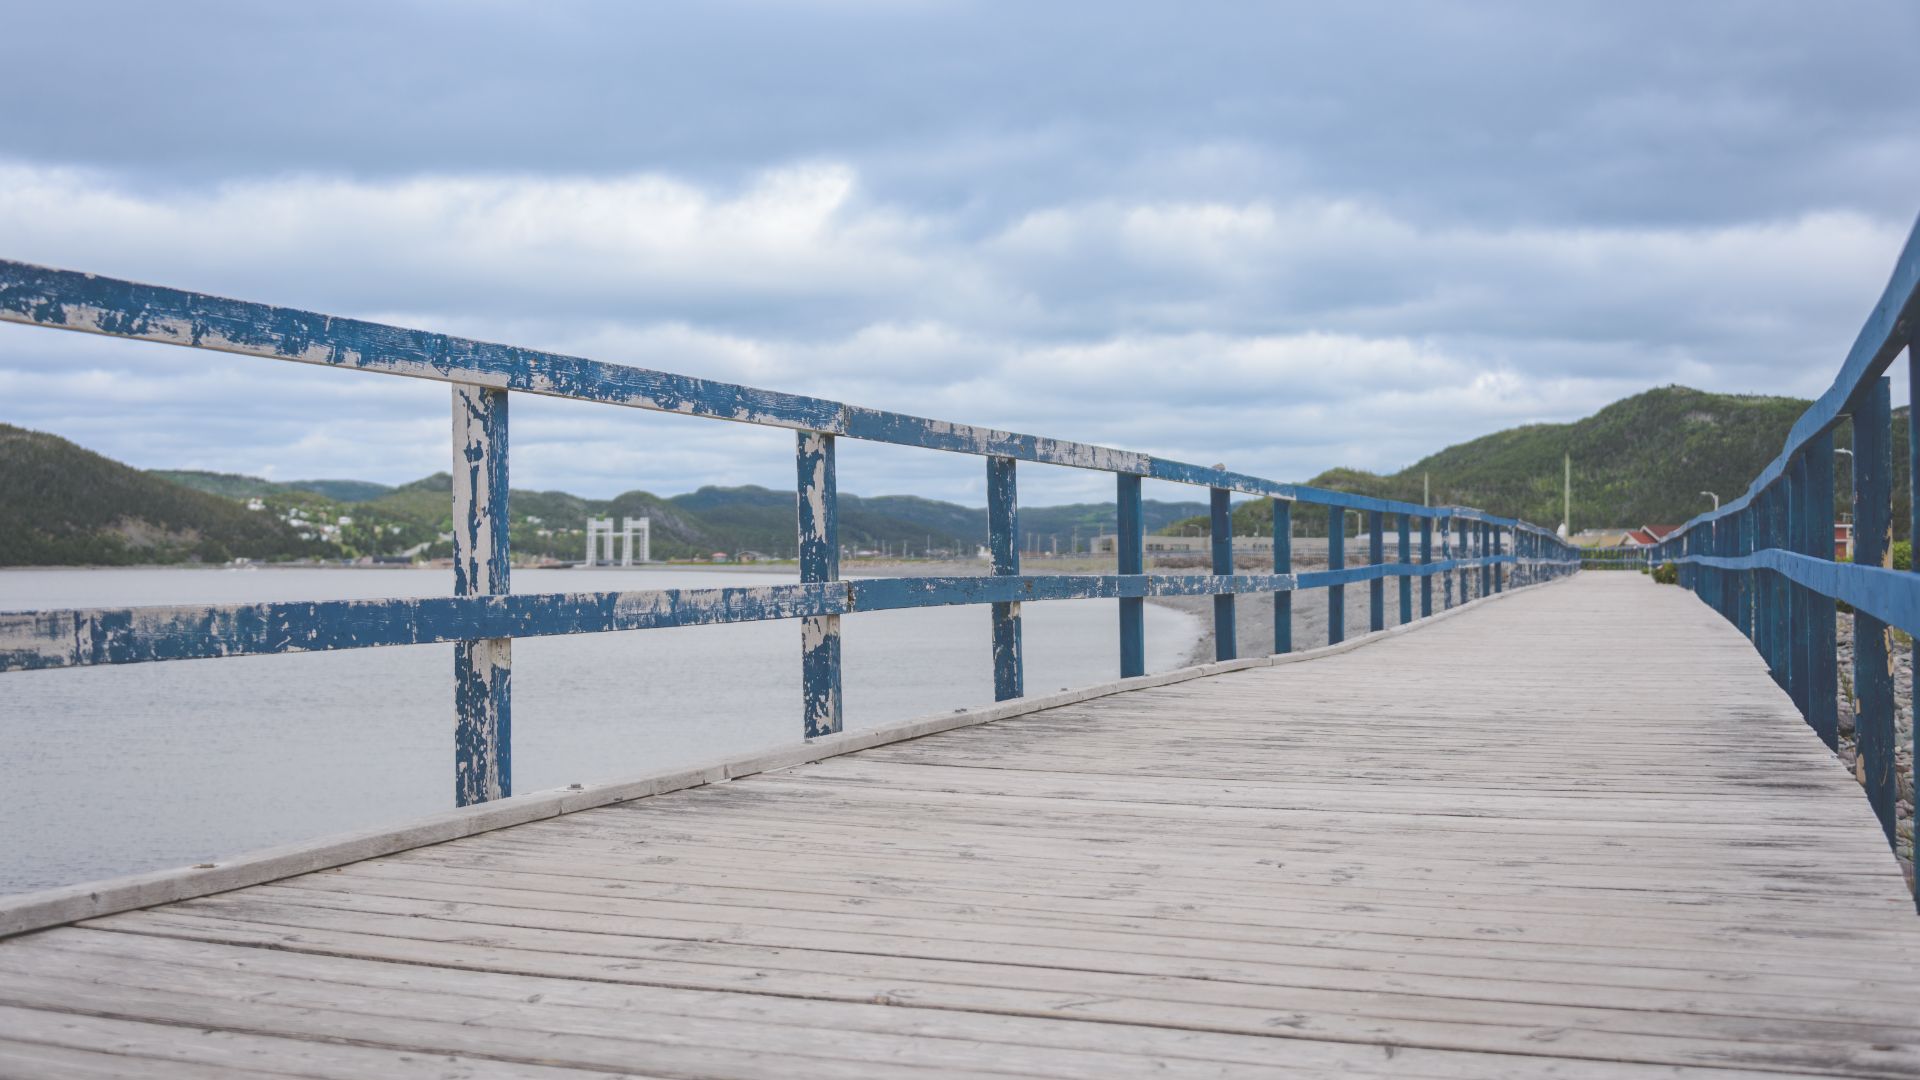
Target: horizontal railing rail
[(1478, 553), (1766, 561)]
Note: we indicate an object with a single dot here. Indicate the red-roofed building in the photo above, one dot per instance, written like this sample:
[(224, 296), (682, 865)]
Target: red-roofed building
[(1647, 535)]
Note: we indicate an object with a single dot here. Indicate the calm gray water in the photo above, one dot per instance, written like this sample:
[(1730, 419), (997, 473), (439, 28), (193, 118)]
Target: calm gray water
[(110, 771)]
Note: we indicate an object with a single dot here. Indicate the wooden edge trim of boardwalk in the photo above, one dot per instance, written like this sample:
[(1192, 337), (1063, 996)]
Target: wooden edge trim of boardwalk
[(73, 903)]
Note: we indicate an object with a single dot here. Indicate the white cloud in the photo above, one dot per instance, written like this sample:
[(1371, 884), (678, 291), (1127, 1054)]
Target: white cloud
[(1282, 334)]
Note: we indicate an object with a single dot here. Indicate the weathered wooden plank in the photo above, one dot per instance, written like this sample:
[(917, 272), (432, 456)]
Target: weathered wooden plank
[(779, 1022), (1297, 866)]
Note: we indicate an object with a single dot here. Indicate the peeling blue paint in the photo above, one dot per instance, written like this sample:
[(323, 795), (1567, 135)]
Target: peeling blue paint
[(483, 617), (1003, 545), (819, 549), (1226, 644), (1283, 564)]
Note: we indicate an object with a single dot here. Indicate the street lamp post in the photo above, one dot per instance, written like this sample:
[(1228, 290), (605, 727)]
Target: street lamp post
[(1715, 498)]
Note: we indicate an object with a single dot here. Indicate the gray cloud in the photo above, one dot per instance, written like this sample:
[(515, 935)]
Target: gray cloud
[(1284, 237)]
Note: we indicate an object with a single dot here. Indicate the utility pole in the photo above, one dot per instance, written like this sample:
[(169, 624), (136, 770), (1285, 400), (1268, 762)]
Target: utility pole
[(1426, 489), (1566, 509)]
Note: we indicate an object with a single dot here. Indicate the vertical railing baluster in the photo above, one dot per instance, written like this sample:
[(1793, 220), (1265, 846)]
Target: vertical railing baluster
[(1797, 623), (1447, 555), (1725, 531), (1771, 539), (819, 549), (1377, 587), (1748, 579), (1406, 558), (1872, 644), (1226, 643), (1336, 560), (1823, 661), (1003, 546), (1913, 540), (1130, 538), (1763, 580), (1283, 564), (1499, 538), (1782, 599), (1483, 540), (482, 667), (1426, 556)]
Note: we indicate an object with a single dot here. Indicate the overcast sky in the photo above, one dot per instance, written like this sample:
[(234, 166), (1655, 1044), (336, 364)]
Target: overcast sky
[(1283, 237)]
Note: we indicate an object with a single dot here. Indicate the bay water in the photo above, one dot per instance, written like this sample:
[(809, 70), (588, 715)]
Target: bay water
[(114, 770)]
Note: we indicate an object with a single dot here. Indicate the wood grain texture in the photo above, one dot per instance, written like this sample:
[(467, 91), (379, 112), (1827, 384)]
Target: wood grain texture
[(1474, 851)]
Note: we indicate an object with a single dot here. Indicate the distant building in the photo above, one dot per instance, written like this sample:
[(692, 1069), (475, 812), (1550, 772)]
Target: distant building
[(1648, 535), (1109, 543), (1600, 538)]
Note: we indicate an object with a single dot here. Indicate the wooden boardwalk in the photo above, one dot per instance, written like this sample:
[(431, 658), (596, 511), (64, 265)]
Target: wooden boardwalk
[(1575, 833)]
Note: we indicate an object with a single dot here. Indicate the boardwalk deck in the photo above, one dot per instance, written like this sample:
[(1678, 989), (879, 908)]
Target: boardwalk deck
[(1575, 833)]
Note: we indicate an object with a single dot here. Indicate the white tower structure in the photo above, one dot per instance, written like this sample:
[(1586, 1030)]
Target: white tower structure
[(596, 529), (630, 528), (601, 536)]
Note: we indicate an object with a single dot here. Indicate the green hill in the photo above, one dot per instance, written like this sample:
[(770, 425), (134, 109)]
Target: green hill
[(1639, 461), (62, 505), (1642, 460), (234, 486)]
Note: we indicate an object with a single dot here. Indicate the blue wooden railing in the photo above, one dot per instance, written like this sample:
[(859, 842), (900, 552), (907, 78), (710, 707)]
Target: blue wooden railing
[(1766, 560), (1479, 553)]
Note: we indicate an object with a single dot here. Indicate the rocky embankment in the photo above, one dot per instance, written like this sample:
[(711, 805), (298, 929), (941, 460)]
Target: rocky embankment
[(1902, 739)]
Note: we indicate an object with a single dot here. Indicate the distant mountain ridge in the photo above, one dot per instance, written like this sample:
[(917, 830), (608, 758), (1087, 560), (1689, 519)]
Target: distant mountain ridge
[(1642, 460), (235, 486), (176, 515), (64, 505)]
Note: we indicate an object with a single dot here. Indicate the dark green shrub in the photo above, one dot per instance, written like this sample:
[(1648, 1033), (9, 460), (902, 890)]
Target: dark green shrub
[(1666, 574)]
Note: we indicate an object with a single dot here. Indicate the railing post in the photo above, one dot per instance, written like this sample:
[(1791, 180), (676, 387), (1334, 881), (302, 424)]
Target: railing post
[(1771, 538), (1872, 647), (1447, 555), (1913, 523), (819, 549), (1336, 560), (1823, 667), (1743, 541), (483, 667), (1426, 556), (1763, 579), (1130, 541), (1003, 545), (1482, 539), (1283, 564), (1226, 644), (1782, 599), (1406, 557), (1458, 531), (1498, 536), (1797, 623), (1377, 587)]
